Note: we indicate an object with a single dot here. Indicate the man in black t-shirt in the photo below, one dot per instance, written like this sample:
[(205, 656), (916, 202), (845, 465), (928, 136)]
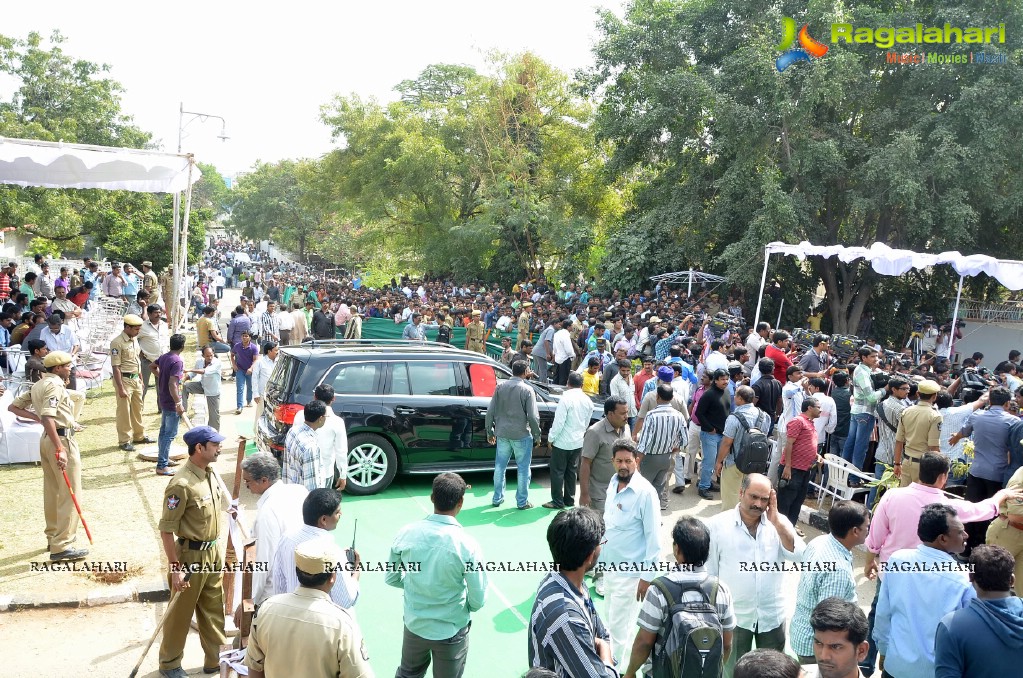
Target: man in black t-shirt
[(768, 390)]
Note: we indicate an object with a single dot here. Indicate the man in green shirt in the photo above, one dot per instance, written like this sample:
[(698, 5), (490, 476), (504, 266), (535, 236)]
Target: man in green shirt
[(440, 568)]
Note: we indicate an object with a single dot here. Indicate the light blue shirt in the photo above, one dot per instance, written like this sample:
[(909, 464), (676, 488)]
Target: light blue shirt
[(911, 604), (632, 520), (131, 285), (64, 340), (448, 581), (816, 586), (990, 431)]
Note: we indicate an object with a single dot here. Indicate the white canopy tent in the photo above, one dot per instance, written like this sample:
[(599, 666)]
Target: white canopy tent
[(888, 261), (688, 277), (48, 164)]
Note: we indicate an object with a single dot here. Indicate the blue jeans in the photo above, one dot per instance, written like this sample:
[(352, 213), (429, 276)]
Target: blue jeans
[(709, 443), (523, 451), (168, 432), (860, 427), (878, 472), (243, 382)]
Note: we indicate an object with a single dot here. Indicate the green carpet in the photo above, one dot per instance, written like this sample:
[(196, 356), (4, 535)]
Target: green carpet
[(498, 639)]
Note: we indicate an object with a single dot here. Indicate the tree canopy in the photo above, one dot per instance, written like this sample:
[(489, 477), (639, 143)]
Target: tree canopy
[(723, 154)]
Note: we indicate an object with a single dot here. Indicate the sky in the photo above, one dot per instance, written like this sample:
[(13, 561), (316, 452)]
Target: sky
[(267, 68)]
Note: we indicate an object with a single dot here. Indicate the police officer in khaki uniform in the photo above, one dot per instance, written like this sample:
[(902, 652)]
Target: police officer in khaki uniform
[(150, 283), (475, 334), (1007, 530), (52, 406), (303, 633), (523, 327), (193, 519), (919, 428), (126, 363)]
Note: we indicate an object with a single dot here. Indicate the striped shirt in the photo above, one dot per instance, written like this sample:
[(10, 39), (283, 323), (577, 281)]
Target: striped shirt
[(892, 408), (344, 592), (268, 327), (816, 586), (302, 459), (562, 627), (664, 429)]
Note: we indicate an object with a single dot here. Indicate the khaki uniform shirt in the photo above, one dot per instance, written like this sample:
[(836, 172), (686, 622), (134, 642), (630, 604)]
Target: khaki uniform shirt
[(151, 284), (1014, 507), (919, 428), (124, 354), (304, 633), (49, 398), (523, 326), (474, 335), (597, 442), (193, 508)]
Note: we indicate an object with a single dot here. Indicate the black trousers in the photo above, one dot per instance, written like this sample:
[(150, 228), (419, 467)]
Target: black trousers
[(564, 471), (790, 497), (978, 489), (561, 372)]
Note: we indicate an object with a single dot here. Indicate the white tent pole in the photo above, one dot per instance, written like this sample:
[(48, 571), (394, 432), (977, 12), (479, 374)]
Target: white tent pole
[(172, 304), (184, 227), (781, 307), (689, 294), (955, 317), (763, 282)]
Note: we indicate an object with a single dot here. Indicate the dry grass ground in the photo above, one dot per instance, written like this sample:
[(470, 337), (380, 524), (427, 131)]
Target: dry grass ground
[(121, 500)]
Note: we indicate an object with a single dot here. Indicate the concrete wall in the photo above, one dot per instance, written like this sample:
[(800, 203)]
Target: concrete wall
[(993, 340)]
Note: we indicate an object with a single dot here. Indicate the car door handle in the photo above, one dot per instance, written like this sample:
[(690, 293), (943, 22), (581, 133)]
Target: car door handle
[(481, 410), (405, 410)]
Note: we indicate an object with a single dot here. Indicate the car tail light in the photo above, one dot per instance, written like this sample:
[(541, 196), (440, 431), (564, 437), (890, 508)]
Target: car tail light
[(286, 413)]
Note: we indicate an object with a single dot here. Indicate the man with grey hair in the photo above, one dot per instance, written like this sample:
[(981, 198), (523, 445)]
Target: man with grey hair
[(278, 511)]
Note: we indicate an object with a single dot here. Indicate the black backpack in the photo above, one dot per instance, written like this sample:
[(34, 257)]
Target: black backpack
[(690, 645), (754, 451), (444, 334)]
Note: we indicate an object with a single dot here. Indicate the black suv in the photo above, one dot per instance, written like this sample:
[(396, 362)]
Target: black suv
[(407, 406)]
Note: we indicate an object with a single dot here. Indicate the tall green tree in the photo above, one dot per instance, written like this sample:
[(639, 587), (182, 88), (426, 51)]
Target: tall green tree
[(485, 174), (722, 153), (274, 201)]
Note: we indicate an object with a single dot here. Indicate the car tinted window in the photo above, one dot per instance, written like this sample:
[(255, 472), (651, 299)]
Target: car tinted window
[(432, 378), (399, 380), (356, 379), (483, 379)]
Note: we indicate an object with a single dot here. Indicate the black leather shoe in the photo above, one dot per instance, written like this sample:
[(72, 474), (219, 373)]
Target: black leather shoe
[(706, 494), (127, 447), (146, 440), (69, 554), (678, 489)]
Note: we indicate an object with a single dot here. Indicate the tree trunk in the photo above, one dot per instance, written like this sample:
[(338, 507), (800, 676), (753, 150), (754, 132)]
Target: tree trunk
[(847, 288)]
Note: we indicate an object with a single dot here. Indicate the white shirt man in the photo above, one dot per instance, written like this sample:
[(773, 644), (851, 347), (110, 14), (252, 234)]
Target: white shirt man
[(632, 518), (827, 420), (278, 512), (716, 360), (563, 349), (745, 541)]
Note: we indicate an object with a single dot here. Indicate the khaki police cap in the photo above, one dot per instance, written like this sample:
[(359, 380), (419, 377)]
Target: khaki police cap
[(132, 320), (928, 387), (318, 556), (477, 312), (56, 359), (147, 263)]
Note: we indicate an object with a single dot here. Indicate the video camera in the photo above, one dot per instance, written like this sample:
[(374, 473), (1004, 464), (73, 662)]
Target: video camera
[(845, 346), (803, 338), (919, 320), (725, 322)]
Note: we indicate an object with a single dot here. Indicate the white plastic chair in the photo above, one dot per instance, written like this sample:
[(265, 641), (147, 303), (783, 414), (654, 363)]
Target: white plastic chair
[(837, 487)]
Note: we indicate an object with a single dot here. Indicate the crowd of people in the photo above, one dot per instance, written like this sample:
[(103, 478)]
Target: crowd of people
[(754, 419)]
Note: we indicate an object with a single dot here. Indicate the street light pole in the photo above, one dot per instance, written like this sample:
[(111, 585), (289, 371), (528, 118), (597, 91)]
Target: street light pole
[(179, 239)]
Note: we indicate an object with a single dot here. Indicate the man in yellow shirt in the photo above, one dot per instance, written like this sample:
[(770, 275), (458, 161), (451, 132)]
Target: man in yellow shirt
[(591, 376)]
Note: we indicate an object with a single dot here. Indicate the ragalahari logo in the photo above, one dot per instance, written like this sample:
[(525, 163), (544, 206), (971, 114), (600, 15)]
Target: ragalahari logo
[(808, 47)]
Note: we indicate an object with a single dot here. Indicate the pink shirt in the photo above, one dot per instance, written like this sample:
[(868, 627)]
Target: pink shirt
[(894, 523)]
